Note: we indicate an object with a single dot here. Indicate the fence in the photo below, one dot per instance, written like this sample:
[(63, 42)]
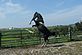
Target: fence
[(14, 38)]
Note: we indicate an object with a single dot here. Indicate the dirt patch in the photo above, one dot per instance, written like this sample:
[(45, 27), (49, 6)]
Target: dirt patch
[(70, 48)]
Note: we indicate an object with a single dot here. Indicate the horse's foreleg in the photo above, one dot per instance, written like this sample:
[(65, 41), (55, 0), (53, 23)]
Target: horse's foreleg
[(33, 25), (45, 42), (43, 45)]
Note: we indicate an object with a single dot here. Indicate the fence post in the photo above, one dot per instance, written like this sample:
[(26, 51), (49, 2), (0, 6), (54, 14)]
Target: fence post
[(21, 36), (0, 38), (70, 33)]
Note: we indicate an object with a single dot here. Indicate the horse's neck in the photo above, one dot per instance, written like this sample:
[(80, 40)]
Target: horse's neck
[(34, 20), (36, 23)]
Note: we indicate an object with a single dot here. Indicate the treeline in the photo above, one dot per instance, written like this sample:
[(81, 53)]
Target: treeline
[(79, 26), (65, 29), (59, 29)]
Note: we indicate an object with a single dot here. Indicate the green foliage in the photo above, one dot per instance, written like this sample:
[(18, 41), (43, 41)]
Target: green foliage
[(20, 36), (79, 26)]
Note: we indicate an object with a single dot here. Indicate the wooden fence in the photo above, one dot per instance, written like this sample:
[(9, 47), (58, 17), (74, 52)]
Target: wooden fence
[(14, 38)]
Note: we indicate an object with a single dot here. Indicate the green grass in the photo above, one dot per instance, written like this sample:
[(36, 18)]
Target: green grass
[(13, 38), (10, 39), (6, 42), (59, 40), (31, 41)]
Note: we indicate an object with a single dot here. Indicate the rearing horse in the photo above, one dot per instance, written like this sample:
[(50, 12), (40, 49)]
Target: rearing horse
[(38, 16), (42, 29)]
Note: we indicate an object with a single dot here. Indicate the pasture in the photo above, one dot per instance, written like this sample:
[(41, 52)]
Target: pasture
[(22, 42), (22, 37)]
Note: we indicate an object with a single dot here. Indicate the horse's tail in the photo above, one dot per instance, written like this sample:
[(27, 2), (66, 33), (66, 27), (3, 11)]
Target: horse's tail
[(53, 33)]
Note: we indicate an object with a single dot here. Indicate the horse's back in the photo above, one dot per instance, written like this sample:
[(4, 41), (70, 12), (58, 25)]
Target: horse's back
[(43, 29)]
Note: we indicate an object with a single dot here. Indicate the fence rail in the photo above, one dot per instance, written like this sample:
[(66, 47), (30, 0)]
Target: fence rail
[(14, 38), (11, 38)]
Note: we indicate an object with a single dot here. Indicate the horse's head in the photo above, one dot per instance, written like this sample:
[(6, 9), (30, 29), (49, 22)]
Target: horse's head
[(36, 12), (35, 15)]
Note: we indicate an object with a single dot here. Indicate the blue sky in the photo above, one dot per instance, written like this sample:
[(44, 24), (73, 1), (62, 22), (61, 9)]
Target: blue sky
[(18, 13)]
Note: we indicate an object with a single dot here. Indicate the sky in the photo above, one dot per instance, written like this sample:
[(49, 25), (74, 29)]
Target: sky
[(18, 13)]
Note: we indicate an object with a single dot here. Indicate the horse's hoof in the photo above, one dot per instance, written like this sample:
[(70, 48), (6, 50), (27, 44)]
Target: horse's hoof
[(44, 46)]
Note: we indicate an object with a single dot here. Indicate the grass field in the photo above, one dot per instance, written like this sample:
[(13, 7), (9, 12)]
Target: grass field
[(8, 42), (19, 37)]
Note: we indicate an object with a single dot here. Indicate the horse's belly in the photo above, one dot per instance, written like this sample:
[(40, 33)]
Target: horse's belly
[(43, 29)]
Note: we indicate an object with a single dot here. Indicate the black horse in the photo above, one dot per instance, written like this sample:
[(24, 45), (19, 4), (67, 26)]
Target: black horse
[(42, 28), (38, 17)]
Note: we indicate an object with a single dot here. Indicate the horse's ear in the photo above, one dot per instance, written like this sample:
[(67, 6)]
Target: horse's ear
[(36, 12)]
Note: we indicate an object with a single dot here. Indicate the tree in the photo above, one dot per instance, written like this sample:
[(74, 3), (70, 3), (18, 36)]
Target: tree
[(79, 26)]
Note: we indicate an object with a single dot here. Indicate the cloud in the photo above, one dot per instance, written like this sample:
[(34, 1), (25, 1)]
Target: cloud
[(2, 15), (13, 14), (2, 0), (12, 8), (6, 0), (60, 3), (65, 15), (73, 12)]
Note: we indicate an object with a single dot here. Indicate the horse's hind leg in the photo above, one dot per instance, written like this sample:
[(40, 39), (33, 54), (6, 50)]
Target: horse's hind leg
[(45, 42)]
